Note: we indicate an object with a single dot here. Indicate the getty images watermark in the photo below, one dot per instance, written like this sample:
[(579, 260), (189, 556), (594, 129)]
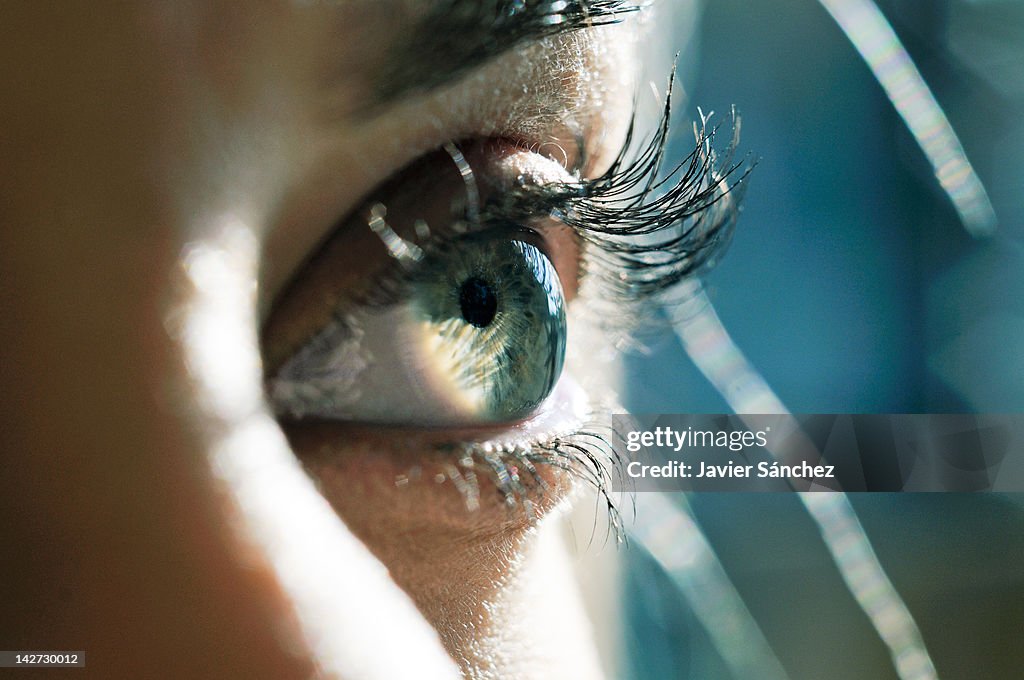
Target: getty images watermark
[(819, 452)]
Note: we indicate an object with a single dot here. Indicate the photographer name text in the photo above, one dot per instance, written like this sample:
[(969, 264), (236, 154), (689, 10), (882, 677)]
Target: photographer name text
[(765, 470)]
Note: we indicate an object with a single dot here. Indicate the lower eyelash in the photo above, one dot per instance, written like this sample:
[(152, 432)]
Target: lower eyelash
[(585, 454)]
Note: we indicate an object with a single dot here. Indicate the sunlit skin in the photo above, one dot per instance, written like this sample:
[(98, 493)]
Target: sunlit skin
[(130, 136)]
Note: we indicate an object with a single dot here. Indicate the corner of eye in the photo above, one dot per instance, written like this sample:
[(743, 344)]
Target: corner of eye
[(288, 326)]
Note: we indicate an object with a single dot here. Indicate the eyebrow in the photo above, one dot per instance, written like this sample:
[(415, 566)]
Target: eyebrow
[(456, 36)]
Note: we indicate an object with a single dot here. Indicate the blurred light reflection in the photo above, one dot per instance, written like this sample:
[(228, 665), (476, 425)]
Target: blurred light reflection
[(870, 32), (708, 343)]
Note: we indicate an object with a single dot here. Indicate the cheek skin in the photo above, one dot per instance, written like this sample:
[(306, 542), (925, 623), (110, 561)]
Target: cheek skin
[(450, 560)]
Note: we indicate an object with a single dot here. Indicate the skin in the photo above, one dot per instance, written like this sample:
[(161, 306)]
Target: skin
[(142, 146)]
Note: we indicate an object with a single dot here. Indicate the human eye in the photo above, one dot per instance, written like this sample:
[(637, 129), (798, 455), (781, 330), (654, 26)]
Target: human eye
[(443, 301), (461, 321)]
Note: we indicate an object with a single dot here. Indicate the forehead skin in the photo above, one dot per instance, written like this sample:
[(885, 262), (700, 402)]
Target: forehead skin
[(130, 132)]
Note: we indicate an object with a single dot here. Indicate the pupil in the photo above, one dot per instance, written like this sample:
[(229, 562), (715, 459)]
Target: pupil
[(478, 302)]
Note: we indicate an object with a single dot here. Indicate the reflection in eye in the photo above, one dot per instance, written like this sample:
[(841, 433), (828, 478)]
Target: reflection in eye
[(475, 333), (493, 319)]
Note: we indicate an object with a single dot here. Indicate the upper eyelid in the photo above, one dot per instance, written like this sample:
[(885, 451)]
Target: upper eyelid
[(629, 199), (537, 94), (338, 181), (635, 272)]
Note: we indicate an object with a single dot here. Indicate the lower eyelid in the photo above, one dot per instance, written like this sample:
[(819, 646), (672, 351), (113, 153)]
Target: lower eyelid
[(562, 415)]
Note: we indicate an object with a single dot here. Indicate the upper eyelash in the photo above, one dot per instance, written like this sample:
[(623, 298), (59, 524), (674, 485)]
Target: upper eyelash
[(688, 214), (645, 231)]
